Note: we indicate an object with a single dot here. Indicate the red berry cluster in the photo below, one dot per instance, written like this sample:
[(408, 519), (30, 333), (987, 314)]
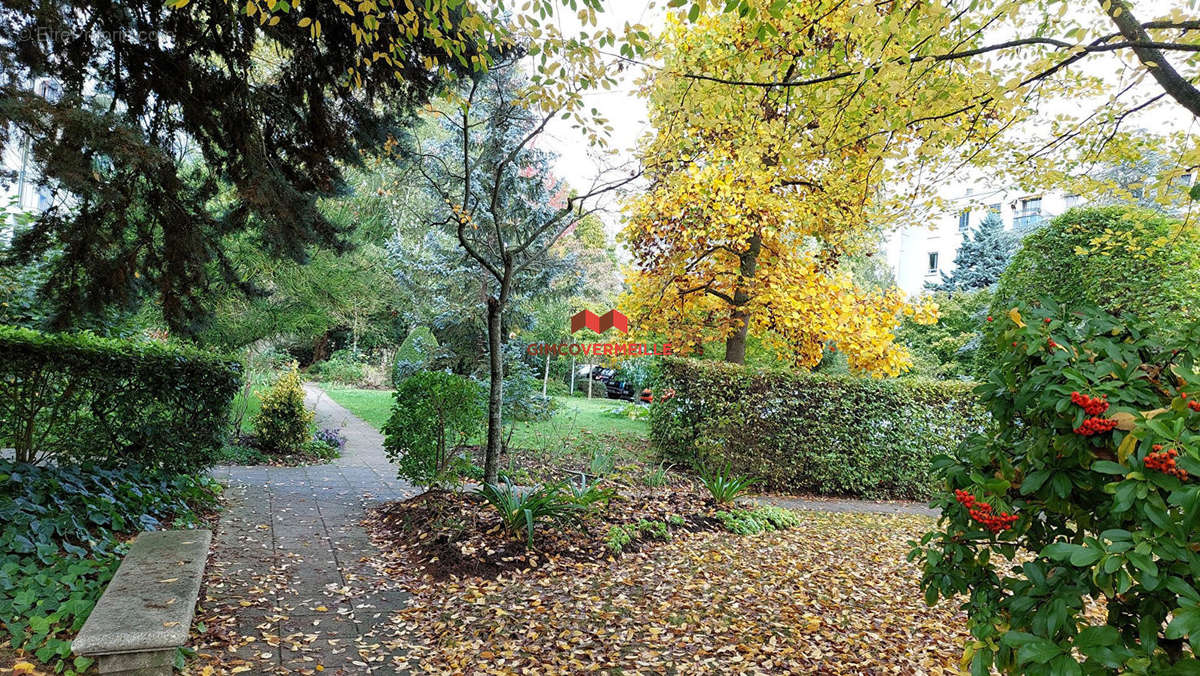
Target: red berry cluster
[(1051, 343), (1096, 426), (1194, 405), (982, 512), (1164, 461), (1093, 406)]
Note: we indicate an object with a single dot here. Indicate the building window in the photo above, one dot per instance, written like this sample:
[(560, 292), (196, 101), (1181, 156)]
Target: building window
[(964, 220), (994, 208), (1029, 214), (933, 263)]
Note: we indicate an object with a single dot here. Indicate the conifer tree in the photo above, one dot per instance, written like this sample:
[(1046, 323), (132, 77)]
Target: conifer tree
[(982, 257)]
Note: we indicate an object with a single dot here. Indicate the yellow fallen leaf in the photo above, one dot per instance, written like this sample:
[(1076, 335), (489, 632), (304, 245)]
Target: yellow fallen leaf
[(170, 624), (320, 668), (169, 579), (22, 668), (321, 609), (1015, 315), (238, 670), (245, 604)]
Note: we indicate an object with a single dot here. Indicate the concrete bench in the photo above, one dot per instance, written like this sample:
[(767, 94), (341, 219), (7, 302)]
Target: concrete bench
[(145, 613)]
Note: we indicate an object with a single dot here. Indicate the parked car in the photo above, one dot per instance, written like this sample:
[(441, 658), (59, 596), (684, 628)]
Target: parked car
[(615, 387)]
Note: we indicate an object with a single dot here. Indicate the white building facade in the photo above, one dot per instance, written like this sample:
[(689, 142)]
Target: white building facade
[(19, 191), (920, 254)]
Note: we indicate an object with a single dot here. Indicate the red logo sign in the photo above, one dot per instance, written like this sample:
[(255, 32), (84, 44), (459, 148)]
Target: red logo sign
[(609, 320)]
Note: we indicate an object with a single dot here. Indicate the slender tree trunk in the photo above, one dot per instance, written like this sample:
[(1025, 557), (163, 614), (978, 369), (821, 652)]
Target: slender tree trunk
[(591, 377), (572, 375), (735, 343), (546, 374), (491, 457)]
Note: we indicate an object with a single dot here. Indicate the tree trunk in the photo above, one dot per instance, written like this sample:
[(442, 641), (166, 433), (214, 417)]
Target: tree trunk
[(591, 377), (491, 456), (546, 374), (572, 375), (735, 343)]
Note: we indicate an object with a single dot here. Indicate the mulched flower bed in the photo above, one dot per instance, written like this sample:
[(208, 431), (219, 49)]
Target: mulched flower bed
[(449, 534)]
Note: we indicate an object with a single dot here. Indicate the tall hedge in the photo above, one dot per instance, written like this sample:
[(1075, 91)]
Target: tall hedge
[(1123, 259), (800, 432), (75, 397)]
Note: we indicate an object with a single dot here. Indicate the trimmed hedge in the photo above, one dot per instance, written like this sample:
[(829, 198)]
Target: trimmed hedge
[(840, 436), (79, 397)]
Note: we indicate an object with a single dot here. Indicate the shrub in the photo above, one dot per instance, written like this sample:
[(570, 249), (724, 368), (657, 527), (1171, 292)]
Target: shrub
[(1120, 258), (723, 486), (521, 510), (236, 454), (61, 539), (342, 367), (758, 520), (79, 397), (836, 435), (523, 398), (433, 413), (281, 425), (416, 353), (1082, 488), (950, 347)]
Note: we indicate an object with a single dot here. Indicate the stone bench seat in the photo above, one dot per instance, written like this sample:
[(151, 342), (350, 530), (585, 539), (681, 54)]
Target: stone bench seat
[(145, 613)]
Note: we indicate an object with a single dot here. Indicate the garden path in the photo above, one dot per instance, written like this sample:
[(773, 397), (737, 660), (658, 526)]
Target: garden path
[(289, 560)]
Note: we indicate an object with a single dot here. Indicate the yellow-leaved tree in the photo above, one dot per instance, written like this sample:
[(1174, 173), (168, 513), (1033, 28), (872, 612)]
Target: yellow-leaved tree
[(758, 194)]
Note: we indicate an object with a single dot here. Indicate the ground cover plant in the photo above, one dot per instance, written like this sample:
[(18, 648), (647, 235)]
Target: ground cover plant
[(1069, 524), (63, 530)]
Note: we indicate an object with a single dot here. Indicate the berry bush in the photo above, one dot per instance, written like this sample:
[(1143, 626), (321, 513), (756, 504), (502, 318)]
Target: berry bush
[(1069, 527)]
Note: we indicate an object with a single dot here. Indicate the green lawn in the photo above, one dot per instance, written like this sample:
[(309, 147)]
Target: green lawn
[(574, 415)]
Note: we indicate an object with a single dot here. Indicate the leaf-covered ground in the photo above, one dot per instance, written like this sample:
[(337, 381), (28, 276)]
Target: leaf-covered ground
[(833, 596)]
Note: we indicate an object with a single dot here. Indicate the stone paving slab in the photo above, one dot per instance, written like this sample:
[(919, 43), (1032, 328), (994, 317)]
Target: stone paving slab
[(289, 546)]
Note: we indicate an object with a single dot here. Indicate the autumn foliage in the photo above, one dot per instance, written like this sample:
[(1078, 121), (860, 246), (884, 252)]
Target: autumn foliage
[(759, 195)]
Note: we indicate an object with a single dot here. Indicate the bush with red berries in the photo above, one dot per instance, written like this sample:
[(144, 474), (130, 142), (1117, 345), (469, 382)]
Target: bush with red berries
[(1078, 492)]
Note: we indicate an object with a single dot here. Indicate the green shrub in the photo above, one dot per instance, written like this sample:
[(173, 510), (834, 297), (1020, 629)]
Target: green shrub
[(758, 520), (281, 425), (949, 348), (1120, 258), (416, 353), (832, 435), (79, 397), (1073, 495), (433, 413), (342, 367), (61, 532)]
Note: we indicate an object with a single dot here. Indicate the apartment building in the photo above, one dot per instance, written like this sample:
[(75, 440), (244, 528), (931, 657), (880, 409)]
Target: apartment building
[(920, 254)]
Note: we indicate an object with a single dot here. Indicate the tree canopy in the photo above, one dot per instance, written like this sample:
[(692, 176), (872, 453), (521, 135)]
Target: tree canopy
[(172, 128)]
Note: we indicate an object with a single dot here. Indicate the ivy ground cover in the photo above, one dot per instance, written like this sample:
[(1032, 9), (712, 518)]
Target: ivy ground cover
[(833, 595)]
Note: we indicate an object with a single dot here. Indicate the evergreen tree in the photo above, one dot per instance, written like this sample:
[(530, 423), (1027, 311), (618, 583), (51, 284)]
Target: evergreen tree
[(982, 257), (173, 127)]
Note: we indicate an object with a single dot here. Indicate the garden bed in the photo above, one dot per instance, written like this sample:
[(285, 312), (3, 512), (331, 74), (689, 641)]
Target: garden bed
[(834, 594), (457, 534)]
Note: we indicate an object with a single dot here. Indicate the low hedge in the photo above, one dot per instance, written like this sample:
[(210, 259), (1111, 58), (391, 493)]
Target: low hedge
[(77, 397), (840, 436)]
